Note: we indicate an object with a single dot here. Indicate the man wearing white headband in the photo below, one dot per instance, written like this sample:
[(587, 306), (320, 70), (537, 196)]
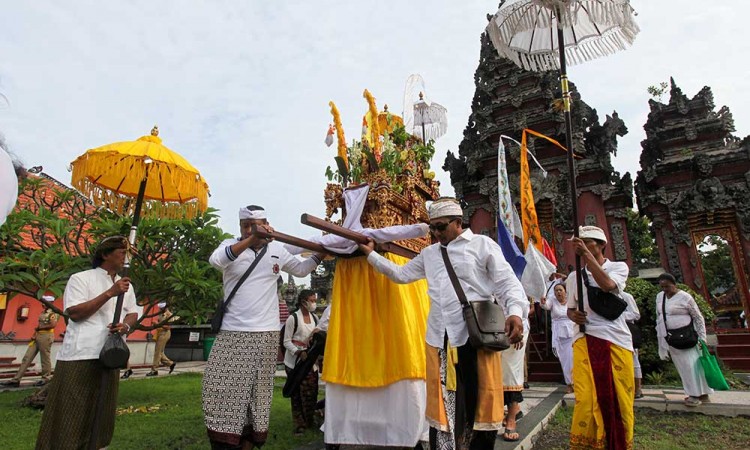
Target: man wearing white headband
[(243, 357), (603, 374), (484, 274)]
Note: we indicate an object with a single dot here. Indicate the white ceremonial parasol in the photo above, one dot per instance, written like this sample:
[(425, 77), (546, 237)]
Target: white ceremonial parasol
[(542, 35)]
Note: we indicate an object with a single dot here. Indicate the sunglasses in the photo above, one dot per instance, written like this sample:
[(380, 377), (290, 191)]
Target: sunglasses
[(439, 226)]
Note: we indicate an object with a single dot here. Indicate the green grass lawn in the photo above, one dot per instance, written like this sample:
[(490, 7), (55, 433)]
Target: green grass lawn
[(157, 413), (662, 431)]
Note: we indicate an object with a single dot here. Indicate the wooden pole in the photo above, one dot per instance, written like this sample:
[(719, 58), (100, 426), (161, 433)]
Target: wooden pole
[(358, 238), (287, 239)]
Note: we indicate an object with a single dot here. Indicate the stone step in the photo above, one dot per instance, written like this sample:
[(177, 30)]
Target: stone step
[(9, 375), (545, 367), (13, 367), (6, 360), (542, 377), (730, 351), (739, 364), (733, 338)]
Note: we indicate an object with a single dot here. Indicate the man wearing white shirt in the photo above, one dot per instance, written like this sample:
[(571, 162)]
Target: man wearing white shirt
[(238, 380), (603, 373), (89, 302), (471, 413)]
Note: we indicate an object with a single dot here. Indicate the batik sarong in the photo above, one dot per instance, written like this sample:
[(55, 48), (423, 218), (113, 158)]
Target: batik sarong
[(238, 386), (603, 416), (304, 400), (71, 406)]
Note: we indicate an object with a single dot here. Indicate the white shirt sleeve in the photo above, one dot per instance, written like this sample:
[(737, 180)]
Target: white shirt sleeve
[(223, 256), (129, 304), (408, 273), (297, 266), (75, 292), (324, 319), (699, 323), (289, 334), (631, 313)]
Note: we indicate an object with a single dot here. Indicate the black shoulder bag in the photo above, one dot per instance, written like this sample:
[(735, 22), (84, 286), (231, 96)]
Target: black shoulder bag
[(222, 306), (606, 304), (485, 320), (681, 338)]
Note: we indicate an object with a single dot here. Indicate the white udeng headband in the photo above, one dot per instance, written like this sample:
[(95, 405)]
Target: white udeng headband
[(257, 214), (445, 208)]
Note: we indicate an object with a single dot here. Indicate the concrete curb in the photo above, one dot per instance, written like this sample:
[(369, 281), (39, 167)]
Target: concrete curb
[(533, 423)]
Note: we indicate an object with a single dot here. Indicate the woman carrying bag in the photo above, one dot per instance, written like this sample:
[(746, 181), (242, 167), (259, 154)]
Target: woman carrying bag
[(679, 328)]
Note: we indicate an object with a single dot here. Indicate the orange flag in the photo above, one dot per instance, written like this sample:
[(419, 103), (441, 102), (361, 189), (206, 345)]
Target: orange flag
[(528, 210)]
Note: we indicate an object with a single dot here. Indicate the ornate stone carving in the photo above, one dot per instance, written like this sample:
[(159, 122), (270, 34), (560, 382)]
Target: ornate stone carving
[(673, 258), (590, 220), (617, 234)]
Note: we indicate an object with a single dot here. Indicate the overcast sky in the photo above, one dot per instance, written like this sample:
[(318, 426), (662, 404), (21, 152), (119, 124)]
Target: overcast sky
[(241, 88)]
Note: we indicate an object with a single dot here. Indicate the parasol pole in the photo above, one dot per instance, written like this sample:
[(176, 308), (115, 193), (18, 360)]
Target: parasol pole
[(94, 437), (569, 144)]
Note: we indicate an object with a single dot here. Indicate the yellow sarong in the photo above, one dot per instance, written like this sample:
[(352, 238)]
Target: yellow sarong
[(376, 334), (588, 429)]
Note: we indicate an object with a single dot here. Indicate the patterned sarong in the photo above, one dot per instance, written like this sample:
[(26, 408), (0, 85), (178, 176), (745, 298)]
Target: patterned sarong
[(603, 416), (71, 406), (238, 386)]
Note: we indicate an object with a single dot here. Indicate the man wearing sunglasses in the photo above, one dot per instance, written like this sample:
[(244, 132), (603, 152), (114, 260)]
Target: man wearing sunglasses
[(464, 398)]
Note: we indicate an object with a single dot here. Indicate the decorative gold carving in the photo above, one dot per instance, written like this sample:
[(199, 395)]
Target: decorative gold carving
[(386, 207)]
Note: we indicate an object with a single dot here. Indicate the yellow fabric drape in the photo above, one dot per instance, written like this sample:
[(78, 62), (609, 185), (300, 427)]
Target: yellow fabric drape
[(587, 428), (376, 334), (529, 220)]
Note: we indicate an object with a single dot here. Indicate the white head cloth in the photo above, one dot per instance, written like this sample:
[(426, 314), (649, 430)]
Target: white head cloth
[(48, 298), (162, 305), (257, 214), (445, 207), (592, 232)]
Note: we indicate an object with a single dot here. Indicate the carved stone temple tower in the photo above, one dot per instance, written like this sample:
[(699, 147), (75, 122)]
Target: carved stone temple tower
[(509, 99)]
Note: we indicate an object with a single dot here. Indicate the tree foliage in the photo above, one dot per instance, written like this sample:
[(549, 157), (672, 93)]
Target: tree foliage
[(716, 262), (643, 246), (169, 265)]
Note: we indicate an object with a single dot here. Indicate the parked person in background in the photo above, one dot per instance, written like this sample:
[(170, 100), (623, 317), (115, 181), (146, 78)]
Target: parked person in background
[(41, 343), (681, 310), (602, 354), (163, 334), (238, 381), (563, 331), (297, 332), (89, 301)]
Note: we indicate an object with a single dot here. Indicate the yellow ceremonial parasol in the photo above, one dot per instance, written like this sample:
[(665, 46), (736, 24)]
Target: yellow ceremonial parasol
[(124, 177), (112, 175)]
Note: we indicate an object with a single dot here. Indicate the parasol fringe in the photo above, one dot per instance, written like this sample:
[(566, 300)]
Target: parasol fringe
[(125, 205), (516, 18)]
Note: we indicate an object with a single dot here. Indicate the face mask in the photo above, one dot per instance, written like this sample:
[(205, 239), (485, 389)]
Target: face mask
[(311, 306)]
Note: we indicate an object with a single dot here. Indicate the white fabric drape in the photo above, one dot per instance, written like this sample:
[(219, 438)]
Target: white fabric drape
[(8, 186), (354, 199)]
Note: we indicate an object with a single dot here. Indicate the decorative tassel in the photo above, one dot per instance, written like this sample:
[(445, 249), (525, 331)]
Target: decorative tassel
[(341, 140)]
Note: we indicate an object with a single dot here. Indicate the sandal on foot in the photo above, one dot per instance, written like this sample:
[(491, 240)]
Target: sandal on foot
[(692, 402), (507, 435), (639, 395)]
